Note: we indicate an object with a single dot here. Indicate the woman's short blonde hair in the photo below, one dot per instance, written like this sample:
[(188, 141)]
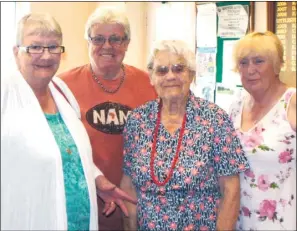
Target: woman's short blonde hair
[(265, 44), (177, 47), (108, 15), (38, 24)]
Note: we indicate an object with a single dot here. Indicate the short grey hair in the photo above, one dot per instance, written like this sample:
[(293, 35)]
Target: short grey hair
[(39, 24), (108, 15), (177, 47)]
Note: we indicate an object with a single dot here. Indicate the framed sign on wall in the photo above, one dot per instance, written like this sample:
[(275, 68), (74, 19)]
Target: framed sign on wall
[(281, 19)]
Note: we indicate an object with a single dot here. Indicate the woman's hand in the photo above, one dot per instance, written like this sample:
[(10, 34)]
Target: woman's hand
[(112, 196)]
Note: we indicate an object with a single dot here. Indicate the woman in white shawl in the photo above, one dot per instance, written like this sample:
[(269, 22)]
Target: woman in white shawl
[(48, 179)]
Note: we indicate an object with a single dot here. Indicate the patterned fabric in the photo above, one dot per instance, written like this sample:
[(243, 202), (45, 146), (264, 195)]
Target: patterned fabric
[(268, 189), (76, 189), (209, 149)]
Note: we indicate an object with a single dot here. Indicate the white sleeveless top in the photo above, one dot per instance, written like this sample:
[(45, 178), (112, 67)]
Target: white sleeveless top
[(268, 189)]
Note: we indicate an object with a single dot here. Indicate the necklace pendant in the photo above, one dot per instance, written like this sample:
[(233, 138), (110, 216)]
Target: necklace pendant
[(69, 151)]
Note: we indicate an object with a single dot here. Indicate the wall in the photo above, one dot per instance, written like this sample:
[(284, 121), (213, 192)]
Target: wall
[(261, 16), (72, 18), (172, 20)]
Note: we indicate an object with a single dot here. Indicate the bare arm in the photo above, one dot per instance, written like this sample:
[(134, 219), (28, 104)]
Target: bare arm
[(130, 223), (292, 112), (229, 205)]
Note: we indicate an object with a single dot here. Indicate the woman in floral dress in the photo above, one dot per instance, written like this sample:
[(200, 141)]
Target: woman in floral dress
[(182, 157), (264, 117)]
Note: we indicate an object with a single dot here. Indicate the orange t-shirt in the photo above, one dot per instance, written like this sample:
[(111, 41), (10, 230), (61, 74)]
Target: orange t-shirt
[(104, 115)]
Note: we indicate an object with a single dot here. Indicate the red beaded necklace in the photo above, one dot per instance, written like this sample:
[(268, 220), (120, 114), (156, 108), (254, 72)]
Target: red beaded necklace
[(154, 153)]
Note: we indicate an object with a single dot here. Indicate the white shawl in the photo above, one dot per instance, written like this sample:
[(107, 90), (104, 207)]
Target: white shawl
[(32, 185)]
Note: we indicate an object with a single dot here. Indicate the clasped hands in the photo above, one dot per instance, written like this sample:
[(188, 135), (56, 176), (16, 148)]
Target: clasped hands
[(112, 196)]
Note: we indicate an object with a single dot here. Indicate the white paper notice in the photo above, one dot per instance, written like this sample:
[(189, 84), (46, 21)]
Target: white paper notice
[(229, 77), (206, 33), (233, 21)]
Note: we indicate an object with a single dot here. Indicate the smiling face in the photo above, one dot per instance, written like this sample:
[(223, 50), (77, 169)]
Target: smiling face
[(38, 67), (171, 85), (256, 72), (107, 57)]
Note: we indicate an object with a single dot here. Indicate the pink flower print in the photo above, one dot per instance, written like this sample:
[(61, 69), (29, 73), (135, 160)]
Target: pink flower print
[(186, 131), (201, 206), (143, 151), (263, 182), (191, 153), (190, 227), (205, 147), (221, 121), (241, 166), (176, 186), (203, 228), (165, 217), (173, 225), (151, 225), (197, 118), (188, 180), (163, 200), (228, 139), (211, 217), (160, 163), (192, 206), (142, 125), (148, 132), (136, 138), (225, 149), (199, 163), (197, 136), (253, 140), (246, 212), (162, 138), (216, 158), (198, 216), (143, 169), (194, 172), (181, 169), (217, 140), (168, 150), (181, 208), (204, 122), (267, 209), (211, 130), (249, 173), (162, 190), (190, 142), (232, 161), (285, 157), (238, 150), (157, 208)]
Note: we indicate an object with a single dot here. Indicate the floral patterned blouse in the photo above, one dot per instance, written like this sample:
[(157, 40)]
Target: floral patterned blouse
[(268, 189), (209, 149)]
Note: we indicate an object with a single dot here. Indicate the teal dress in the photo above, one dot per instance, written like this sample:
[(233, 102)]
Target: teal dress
[(76, 188)]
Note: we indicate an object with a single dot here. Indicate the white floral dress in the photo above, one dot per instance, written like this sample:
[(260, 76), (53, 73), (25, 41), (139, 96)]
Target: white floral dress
[(268, 189)]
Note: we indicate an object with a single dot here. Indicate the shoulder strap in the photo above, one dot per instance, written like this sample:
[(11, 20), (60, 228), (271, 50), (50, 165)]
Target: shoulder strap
[(59, 89)]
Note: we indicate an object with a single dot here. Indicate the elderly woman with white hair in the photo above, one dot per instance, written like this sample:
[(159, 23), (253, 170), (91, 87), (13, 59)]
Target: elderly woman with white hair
[(48, 177), (182, 157), (264, 116)]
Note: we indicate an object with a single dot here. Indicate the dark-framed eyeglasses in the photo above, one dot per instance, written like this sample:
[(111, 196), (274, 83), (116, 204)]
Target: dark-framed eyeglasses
[(175, 68), (114, 40), (34, 49)]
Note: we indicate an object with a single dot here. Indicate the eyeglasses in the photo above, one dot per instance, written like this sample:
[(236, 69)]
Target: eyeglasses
[(114, 40), (176, 69), (40, 49)]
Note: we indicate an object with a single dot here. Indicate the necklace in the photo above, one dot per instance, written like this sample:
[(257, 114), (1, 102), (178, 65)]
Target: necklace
[(104, 88), (154, 153)]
